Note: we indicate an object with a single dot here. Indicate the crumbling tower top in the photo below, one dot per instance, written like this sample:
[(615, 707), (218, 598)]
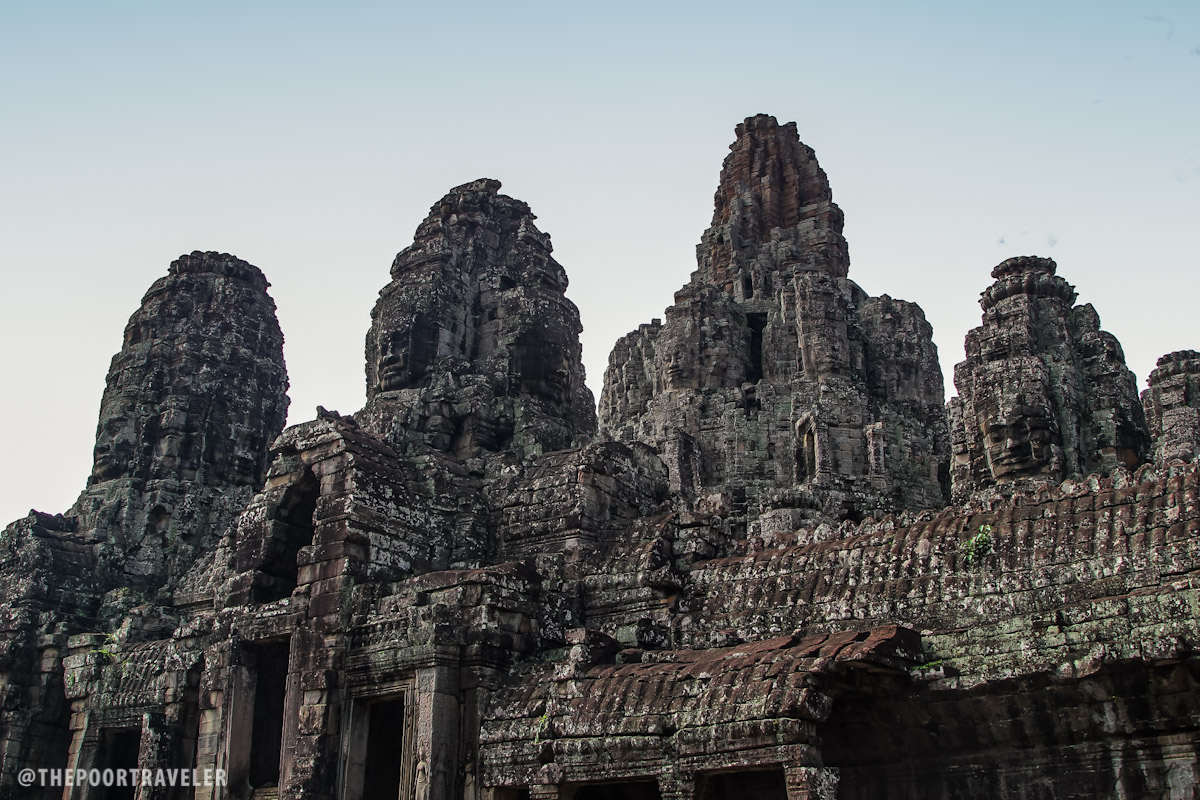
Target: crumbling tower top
[(474, 346), (196, 392), (773, 210)]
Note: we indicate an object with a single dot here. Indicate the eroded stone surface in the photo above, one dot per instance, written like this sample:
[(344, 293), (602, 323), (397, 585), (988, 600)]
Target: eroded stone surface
[(474, 346), (1043, 393), (775, 379), (192, 401), (1172, 406), (748, 585)]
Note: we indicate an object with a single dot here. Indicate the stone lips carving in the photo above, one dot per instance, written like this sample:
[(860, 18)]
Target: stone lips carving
[(756, 590)]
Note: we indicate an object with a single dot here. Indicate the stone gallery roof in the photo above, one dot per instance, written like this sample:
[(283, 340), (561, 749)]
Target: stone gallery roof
[(657, 691), (712, 702)]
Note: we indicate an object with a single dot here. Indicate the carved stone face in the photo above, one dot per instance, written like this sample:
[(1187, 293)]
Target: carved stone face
[(404, 353), (552, 385), (541, 362), (679, 372), (1023, 442), (392, 364), (114, 448), (149, 447)]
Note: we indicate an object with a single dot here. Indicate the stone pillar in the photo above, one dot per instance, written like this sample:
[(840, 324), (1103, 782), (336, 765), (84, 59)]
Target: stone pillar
[(300, 748), (85, 749), (208, 746), (158, 741), (438, 750), (811, 783), (547, 791), (210, 737), (233, 755)]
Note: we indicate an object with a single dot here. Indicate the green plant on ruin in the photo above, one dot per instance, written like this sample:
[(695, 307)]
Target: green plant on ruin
[(106, 651), (978, 546), (543, 726)]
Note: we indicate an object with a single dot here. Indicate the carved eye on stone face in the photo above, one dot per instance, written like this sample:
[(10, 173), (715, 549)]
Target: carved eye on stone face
[(1040, 436)]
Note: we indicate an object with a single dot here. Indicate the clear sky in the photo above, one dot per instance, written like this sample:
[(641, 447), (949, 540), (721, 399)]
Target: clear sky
[(310, 138)]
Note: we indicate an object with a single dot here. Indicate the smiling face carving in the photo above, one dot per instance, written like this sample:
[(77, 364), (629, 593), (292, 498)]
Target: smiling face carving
[(405, 345), (114, 448), (1022, 442)]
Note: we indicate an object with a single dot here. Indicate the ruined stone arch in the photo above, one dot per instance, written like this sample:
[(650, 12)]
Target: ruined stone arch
[(292, 527)]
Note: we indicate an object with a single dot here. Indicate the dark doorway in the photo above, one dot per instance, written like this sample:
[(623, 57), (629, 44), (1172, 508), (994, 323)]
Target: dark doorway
[(638, 790), (384, 769), (512, 793), (270, 692), (120, 753), (758, 784), (185, 752)]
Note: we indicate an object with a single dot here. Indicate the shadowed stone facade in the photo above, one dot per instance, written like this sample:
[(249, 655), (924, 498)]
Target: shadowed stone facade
[(747, 584), (473, 346)]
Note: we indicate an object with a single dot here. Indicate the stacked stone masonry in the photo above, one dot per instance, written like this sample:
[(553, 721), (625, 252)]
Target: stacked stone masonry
[(776, 565)]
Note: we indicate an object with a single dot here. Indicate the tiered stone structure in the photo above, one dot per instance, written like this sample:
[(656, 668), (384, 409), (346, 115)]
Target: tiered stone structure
[(474, 347), (461, 591), (1172, 406), (192, 400), (1044, 392), (776, 380)]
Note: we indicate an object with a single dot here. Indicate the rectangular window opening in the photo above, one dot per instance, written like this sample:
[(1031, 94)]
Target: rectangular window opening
[(757, 323)]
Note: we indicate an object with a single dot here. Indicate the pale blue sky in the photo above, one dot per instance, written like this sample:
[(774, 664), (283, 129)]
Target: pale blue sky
[(312, 138)]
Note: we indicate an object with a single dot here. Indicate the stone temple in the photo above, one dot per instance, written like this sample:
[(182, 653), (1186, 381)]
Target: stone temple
[(774, 565)]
